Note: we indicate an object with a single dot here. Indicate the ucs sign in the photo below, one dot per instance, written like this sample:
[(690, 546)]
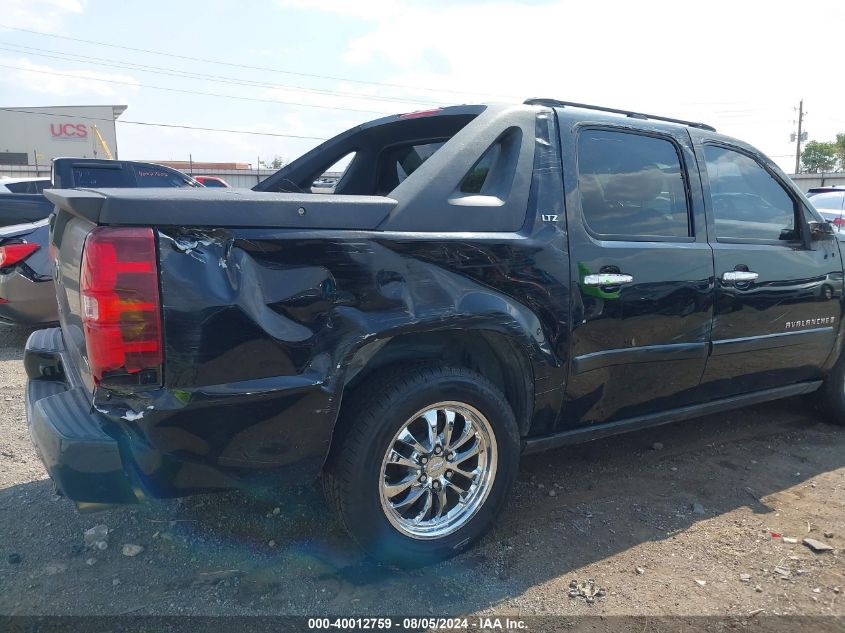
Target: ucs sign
[(69, 131)]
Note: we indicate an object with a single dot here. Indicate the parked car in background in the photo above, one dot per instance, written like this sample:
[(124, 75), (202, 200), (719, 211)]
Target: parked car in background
[(486, 281), (830, 202), (324, 185), (24, 185), (211, 181), (26, 282), (27, 295), (21, 208)]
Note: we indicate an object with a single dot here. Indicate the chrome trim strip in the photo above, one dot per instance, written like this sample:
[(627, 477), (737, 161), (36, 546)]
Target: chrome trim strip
[(643, 354), (767, 341)]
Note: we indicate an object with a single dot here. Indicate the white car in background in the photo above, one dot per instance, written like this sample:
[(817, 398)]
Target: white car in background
[(24, 185), (830, 202)]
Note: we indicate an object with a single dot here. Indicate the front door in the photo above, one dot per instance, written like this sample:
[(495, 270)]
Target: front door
[(778, 292), (642, 271)]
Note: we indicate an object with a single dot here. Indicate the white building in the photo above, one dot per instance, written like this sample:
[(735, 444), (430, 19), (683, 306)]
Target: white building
[(34, 136)]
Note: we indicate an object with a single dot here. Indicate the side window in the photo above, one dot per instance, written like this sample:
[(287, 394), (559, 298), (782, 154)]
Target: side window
[(154, 176), (747, 201), (631, 185)]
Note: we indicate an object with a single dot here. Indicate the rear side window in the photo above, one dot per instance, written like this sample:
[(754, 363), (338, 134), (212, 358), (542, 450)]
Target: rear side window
[(631, 185), (98, 177), (154, 176), (747, 201)]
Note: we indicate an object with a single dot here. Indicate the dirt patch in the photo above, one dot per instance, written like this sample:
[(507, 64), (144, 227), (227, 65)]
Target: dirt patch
[(694, 518)]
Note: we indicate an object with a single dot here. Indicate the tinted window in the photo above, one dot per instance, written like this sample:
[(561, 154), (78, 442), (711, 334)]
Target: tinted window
[(155, 176), (474, 180), (831, 201), (411, 157), (631, 185), (747, 201), (98, 177), (397, 163), (29, 186), (212, 182)]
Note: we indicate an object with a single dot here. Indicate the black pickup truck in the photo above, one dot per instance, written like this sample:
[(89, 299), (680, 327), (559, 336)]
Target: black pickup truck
[(485, 281)]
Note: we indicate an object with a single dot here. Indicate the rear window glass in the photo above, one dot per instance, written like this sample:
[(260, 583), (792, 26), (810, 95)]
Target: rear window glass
[(30, 186), (412, 156), (831, 201), (98, 177), (397, 163)]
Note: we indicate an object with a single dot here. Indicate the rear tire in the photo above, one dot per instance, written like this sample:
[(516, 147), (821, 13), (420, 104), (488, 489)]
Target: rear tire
[(832, 392), (405, 488)]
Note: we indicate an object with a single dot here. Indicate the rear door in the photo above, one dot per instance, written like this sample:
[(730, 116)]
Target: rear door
[(642, 269), (778, 292)]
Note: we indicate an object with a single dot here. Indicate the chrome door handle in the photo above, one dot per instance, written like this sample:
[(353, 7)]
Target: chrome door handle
[(739, 275), (607, 279)]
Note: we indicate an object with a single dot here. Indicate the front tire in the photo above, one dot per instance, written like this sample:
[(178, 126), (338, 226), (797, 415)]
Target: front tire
[(426, 465), (832, 392)]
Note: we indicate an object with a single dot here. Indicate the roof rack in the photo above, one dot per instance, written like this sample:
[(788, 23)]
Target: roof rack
[(555, 103)]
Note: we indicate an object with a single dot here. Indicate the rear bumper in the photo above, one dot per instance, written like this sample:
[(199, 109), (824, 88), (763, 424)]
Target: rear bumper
[(27, 302), (82, 459), (163, 443)]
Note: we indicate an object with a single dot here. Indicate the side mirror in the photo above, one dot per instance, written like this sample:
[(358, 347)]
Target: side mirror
[(821, 230)]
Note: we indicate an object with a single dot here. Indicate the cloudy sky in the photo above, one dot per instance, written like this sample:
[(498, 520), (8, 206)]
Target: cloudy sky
[(296, 68)]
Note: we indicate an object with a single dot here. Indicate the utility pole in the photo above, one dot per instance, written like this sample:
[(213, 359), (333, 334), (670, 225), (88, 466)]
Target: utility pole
[(798, 138)]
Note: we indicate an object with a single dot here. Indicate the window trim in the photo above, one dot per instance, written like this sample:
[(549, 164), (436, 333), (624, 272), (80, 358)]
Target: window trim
[(711, 216), (624, 237)]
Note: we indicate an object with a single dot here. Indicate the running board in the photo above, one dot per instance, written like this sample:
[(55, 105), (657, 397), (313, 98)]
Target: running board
[(598, 431)]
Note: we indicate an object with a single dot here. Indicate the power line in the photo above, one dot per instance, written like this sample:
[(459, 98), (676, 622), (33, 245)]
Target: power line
[(192, 92), (159, 70), (168, 125), (261, 68)]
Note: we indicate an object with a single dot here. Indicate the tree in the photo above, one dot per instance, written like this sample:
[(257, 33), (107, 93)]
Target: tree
[(840, 150), (818, 157), (277, 163)]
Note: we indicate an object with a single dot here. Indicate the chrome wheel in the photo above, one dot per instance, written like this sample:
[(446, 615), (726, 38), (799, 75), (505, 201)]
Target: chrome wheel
[(438, 470)]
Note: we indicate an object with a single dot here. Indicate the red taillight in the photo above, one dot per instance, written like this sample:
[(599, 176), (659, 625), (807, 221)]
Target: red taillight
[(838, 221), (14, 253), (420, 113), (120, 302)]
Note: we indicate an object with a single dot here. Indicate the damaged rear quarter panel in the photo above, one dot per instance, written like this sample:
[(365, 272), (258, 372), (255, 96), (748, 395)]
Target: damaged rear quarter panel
[(261, 325)]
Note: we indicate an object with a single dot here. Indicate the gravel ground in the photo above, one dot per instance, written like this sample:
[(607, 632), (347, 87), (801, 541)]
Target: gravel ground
[(669, 521)]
